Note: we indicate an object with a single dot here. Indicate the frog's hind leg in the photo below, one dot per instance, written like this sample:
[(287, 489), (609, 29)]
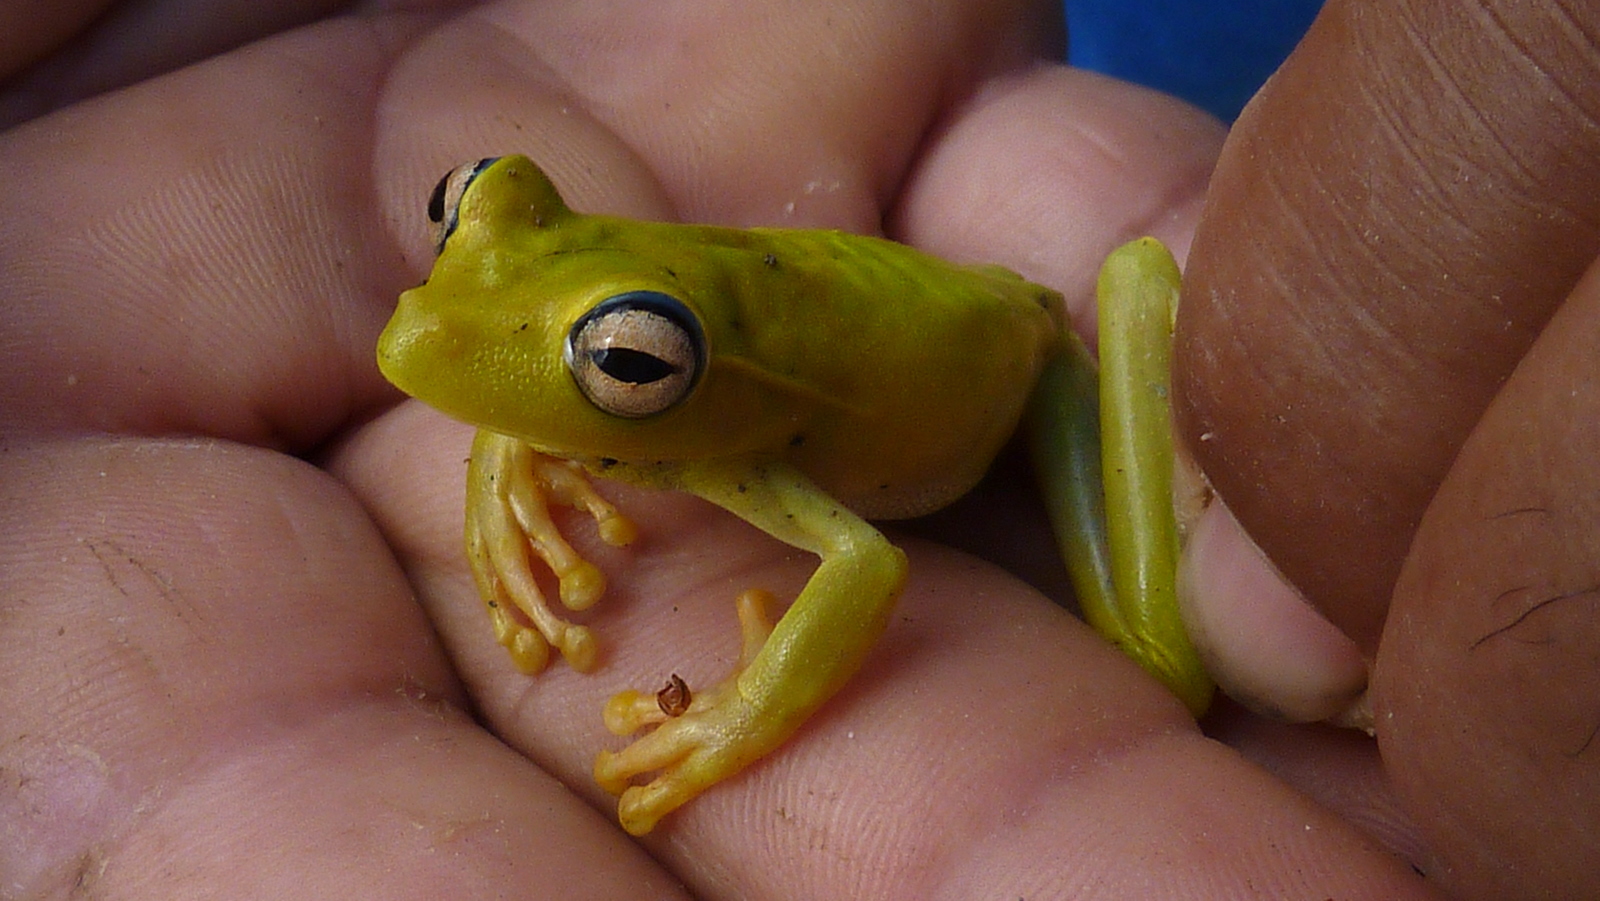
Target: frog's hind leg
[(509, 487), (785, 671), (1104, 450)]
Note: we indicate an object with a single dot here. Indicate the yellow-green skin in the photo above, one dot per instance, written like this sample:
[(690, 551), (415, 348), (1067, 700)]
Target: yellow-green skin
[(845, 377), (815, 358)]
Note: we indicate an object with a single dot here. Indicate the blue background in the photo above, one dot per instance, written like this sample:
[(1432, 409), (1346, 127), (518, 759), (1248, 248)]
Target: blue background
[(1213, 54)]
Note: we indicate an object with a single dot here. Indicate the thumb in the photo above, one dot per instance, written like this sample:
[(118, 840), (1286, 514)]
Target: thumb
[(1393, 221)]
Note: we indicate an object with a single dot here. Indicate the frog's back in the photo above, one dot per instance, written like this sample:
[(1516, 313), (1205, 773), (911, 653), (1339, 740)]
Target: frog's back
[(922, 367)]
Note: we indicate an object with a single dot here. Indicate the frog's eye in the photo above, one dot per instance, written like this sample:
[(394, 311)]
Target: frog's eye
[(444, 207), (636, 354)]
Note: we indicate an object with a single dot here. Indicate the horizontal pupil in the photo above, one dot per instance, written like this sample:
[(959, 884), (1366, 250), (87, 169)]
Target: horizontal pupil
[(632, 366)]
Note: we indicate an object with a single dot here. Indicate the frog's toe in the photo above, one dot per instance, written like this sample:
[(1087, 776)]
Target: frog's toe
[(639, 807), (529, 651), (629, 711), (642, 806), (529, 646), (579, 648), (754, 627), (582, 583), (617, 530), (687, 764)]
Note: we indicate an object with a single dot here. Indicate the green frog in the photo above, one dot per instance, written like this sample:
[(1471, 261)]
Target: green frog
[(808, 381)]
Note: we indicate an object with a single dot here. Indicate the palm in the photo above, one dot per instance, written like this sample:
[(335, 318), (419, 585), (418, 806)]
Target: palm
[(216, 647)]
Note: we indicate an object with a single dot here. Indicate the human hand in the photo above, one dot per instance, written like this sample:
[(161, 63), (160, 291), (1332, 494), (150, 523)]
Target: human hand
[(1385, 365), (243, 653)]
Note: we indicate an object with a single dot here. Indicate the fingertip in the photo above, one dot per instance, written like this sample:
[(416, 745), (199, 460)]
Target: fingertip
[(1047, 171), (1265, 646)]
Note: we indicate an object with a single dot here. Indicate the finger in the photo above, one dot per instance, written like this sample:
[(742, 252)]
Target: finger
[(1010, 694), (29, 31), (1487, 694), (1046, 171), (1392, 222), (89, 47), (214, 673), (896, 754), (1083, 759), (1338, 768), (215, 276), (1263, 644), (808, 118)]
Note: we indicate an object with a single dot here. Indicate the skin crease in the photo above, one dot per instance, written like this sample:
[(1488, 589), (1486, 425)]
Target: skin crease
[(1373, 263), (241, 648)]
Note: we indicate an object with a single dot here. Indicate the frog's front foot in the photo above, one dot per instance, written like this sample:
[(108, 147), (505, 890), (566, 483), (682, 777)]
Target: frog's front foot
[(509, 486), (720, 733)]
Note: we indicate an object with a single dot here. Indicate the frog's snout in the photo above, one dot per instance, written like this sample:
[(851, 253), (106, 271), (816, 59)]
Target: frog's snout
[(412, 344)]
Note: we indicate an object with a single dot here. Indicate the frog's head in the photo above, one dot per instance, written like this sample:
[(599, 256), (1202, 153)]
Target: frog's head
[(580, 334)]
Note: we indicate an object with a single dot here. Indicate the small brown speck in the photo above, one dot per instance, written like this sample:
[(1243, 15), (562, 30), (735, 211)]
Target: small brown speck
[(675, 698)]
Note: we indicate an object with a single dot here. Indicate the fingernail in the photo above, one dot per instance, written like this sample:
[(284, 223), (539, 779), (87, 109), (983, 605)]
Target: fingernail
[(1266, 647)]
